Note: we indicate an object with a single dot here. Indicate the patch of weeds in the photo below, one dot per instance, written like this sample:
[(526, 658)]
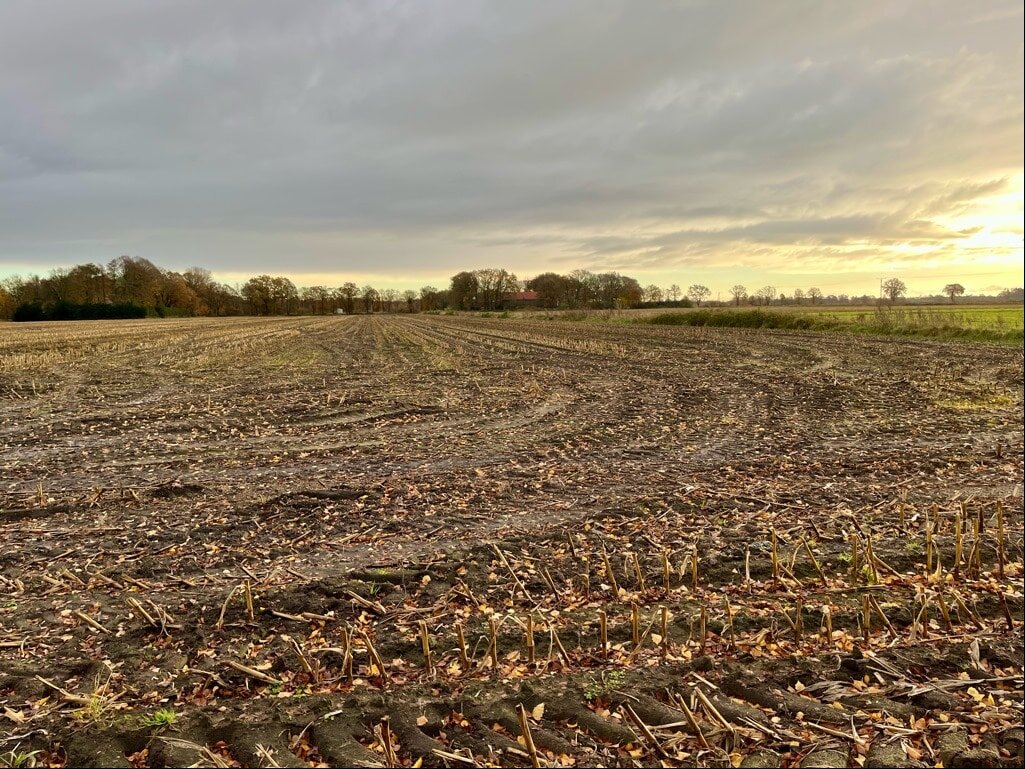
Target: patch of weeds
[(161, 718), (844, 557), (982, 403), (99, 705), (608, 682), (914, 546), (274, 689), (15, 759)]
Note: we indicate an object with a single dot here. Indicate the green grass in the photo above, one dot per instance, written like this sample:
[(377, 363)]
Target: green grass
[(16, 759), (1001, 325), (160, 718), (980, 403), (607, 683)]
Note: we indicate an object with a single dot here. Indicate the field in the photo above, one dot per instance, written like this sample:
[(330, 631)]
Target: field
[(1000, 324), (462, 541)]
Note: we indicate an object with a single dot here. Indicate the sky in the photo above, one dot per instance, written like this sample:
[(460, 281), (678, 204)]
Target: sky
[(791, 144)]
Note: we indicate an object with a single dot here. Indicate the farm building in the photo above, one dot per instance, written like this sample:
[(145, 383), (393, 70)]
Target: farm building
[(515, 299)]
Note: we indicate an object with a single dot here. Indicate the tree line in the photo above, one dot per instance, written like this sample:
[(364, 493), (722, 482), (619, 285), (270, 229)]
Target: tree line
[(135, 287)]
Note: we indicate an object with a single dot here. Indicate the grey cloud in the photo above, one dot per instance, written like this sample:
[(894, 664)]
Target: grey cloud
[(325, 136)]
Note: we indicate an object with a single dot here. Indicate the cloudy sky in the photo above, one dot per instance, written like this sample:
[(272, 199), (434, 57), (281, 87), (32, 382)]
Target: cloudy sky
[(792, 143)]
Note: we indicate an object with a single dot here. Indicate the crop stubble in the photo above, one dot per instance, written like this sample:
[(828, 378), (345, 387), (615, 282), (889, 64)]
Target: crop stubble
[(245, 520)]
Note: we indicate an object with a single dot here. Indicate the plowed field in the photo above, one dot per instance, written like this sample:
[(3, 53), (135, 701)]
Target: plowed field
[(455, 541)]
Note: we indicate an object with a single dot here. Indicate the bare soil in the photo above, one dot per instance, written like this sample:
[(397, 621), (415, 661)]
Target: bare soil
[(247, 542)]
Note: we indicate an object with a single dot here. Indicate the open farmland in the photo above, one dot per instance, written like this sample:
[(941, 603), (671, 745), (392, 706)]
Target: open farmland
[(403, 540)]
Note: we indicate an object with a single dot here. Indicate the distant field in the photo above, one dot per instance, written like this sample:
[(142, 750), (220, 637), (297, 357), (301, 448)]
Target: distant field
[(1001, 324), (973, 316)]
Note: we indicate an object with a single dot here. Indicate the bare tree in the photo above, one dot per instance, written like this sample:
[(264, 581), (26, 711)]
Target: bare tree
[(952, 290), (767, 294), (389, 297), (652, 294), (699, 293), (674, 292), (409, 297), (369, 297), (894, 289), (798, 296), (429, 298), (349, 291), (738, 292), (814, 294)]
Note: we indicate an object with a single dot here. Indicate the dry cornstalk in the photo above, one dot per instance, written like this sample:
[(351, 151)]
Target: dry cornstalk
[(944, 612), (882, 615), (729, 622), (775, 555), (502, 559), (464, 658), (528, 740), (651, 739), (224, 607), (870, 557), (958, 544), (638, 572), (312, 667), (493, 645), (961, 605), (347, 658), (387, 747), (375, 658), (546, 575), (134, 603), (72, 576), (712, 710), (90, 621), (529, 639), (108, 581), (1000, 540), (247, 591), (694, 568), (558, 644), (373, 606), (665, 571), (76, 699), (603, 629), (251, 672), (425, 645), (608, 570), (1006, 611), (928, 541), (695, 727), (977, 545), (635, 625), (815, 561)]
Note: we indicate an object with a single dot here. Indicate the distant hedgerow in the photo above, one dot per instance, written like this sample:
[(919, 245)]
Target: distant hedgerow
[(77, 311)]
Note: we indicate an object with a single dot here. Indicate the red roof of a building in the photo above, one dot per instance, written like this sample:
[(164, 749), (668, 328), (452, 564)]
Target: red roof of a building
[(524, 296)]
